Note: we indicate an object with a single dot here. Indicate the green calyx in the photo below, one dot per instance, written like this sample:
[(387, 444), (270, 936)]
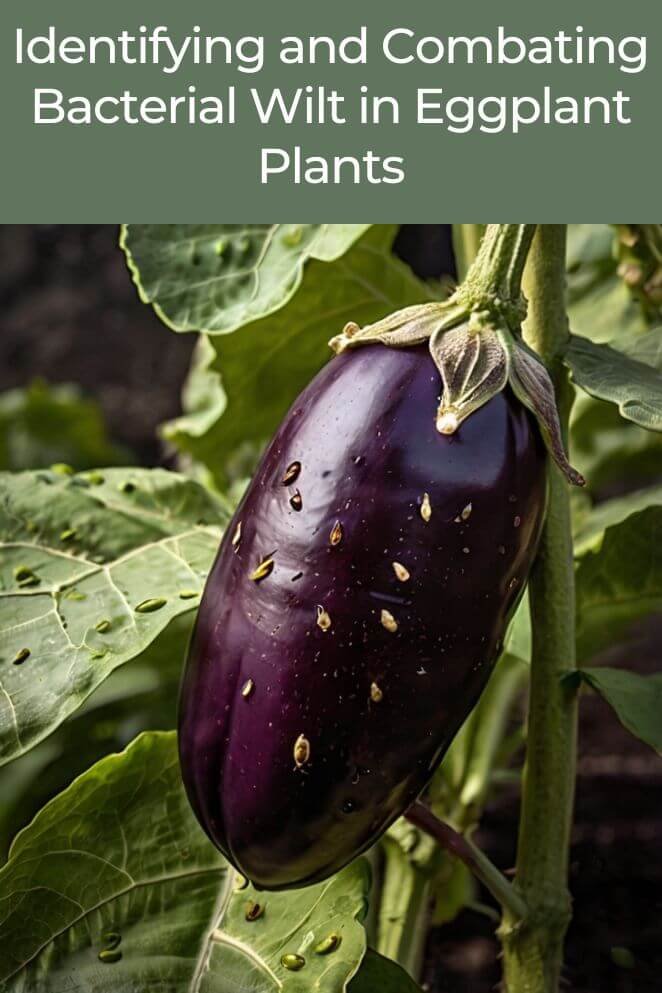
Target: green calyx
[(476, 343)]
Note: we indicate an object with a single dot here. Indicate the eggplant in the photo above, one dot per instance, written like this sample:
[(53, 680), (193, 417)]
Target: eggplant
[(354, 613)]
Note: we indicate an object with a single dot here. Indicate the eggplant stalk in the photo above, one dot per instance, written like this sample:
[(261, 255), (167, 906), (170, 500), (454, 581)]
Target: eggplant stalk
[(533, 950)]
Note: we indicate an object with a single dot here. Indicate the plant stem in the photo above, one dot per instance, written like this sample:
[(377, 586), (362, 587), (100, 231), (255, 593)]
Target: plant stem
[(404, 910), (463, 849), (497, 269), (533, 949)]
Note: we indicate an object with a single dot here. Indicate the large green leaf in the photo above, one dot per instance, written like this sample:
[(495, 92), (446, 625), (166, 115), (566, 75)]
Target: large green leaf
[(218, 277), (93, 568), (604, 447), (621, 580), (114, 887), (256, 373), (627, 380), (43, 424), (589, 536), (636, 700), (381, 975), (135, 698)]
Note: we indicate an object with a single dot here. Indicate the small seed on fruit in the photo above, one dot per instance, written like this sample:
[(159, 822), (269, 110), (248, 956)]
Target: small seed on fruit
[(323, 619), (247, 689), (517, 521), (301, 751), (236, 537), (291, 473), (426, 507), (21, 656), (296, 502), (336, 534), (263, 570), (389, 621), (466, 513), (376, 694), (401, 573)]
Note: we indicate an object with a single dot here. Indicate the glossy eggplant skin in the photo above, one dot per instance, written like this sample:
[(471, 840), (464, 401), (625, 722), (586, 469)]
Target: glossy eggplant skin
[(310, 720)]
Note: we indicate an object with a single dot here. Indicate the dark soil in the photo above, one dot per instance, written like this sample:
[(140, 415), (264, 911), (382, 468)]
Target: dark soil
[(69, 313)]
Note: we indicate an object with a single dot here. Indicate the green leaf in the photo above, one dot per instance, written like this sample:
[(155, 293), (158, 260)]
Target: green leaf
[(621, 581), (590, 535), (636, 700), (118, 862), (91, 571), (255, 374), (607, 449), (610, 374), (218, 277), (381, 975), (43, 424), (600, 306)]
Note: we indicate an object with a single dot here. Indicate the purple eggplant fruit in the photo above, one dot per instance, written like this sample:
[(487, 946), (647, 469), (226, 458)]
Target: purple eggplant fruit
[(354, 613)]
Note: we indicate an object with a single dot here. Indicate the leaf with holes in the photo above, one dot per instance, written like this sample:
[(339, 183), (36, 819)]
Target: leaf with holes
[(93, 568), (242, 384), (218, 277), (114, 887)]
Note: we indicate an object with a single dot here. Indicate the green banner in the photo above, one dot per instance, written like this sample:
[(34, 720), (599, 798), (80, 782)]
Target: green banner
[(371, 111)]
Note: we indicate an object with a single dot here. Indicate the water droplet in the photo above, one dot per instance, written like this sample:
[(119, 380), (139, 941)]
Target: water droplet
[(110, 955), (328, 944), (292, 237), (291, 473), (426, 507), (24, 576), (400, 571), (292, 961), (253, 910), (149, 606), (388, 621), (447, 422)]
